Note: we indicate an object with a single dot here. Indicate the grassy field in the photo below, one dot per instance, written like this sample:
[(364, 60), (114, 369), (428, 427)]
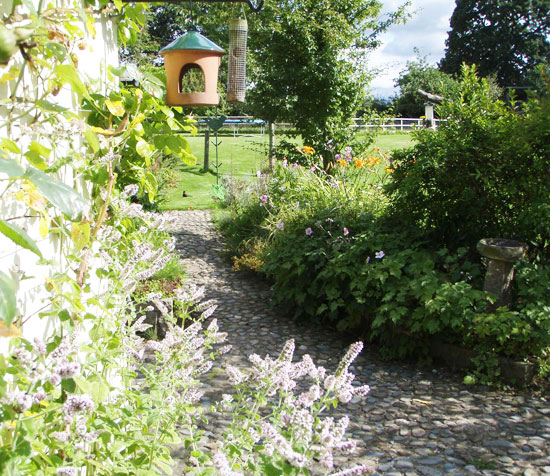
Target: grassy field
[(239, 156)]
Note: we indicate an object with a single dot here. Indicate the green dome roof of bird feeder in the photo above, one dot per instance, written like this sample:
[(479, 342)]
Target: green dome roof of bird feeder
[(192, 40)]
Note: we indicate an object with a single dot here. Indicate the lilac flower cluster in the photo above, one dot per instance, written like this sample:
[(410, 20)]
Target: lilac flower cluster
[(130, 191), (78, 403), (295, 431), (154, 221)]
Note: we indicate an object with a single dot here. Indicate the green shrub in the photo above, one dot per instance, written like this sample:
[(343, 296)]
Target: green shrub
[(480, 175), (402, 268), (524, 329)]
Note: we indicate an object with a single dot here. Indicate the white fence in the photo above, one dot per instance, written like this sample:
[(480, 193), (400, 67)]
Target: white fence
[(404, 124), (249, 124)]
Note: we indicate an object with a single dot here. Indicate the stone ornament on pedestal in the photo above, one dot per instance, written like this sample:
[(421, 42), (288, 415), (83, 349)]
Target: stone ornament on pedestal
[(502, 254)]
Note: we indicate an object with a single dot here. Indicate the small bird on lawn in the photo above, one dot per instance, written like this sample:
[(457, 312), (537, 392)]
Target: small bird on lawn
[(184, 194)]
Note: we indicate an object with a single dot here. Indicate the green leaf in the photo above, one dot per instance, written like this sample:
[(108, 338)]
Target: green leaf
[(56, 50), (95, 386), (80, 234), (49, 106), (92, 139), (61, 196), (115, 107), (271, 470), (19, 237), (40, 149), (11, 168), (36, 160), (66, 73), (151, 185), (10, 146), (7, 299), (144, 149)]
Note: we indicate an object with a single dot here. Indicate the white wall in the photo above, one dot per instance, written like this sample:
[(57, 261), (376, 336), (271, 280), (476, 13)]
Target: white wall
[(31, 297)]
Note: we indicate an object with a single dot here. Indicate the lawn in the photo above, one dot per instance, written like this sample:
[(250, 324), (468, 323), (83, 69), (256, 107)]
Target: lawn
[(240, 156)]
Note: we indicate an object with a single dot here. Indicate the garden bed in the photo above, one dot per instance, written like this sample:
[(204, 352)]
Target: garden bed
[(459, 358)]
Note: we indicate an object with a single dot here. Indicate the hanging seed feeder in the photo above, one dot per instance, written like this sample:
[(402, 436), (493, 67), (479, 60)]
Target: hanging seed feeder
[(192, 54), (236, 81)]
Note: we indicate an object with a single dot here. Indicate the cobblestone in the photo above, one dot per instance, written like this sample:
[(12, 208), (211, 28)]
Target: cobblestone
[(414, 420)]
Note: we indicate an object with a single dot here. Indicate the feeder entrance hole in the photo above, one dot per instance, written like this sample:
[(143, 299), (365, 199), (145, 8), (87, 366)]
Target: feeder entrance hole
[(191, 79)]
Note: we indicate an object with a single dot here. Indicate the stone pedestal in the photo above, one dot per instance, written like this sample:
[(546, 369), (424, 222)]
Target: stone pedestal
[(500, 272)]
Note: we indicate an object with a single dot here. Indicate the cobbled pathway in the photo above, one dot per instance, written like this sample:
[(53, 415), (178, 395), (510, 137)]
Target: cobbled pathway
[(413, 422)]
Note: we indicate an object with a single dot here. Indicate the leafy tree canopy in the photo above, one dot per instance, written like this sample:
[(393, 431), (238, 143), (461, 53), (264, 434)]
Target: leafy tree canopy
[(508, 38), (420, 75), (312, 68), (306, 62)]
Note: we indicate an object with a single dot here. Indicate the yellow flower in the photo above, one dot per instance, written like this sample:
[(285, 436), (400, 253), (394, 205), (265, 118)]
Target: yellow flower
[(358, 163), (343, 162), (307, 150), (389, 170)]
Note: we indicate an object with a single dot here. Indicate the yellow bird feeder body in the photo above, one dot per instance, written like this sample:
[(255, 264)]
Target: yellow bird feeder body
[(192, 51)]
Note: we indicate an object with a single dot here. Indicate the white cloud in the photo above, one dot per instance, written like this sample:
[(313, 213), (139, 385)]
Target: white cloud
[(426, 30)]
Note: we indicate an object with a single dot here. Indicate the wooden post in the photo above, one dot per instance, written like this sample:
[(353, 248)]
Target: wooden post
[(271, 146), (206, 165)]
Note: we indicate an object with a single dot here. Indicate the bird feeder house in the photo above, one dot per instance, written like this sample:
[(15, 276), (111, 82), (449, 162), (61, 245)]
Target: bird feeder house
[(192, 56)]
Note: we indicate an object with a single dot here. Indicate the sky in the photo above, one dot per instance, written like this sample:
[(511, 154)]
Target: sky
[(426, 30)]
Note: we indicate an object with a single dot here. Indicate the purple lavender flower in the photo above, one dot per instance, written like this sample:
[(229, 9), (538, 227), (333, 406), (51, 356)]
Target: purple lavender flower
[(39, 346), (18, 399), (309, 231), (67, 471), (39, 395), (222, 465), (350, 356), (62, 436), (22, 355), (66, 369), (356, 470), (78, 403)]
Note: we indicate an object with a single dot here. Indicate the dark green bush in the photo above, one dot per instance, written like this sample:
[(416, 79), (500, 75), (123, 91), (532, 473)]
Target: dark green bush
[(482, 174)]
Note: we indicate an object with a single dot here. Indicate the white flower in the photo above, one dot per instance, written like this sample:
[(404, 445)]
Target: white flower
[(379, 254)]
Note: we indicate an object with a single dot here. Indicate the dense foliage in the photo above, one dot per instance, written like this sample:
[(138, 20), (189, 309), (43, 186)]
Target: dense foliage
[(297, 70), (420, 75), (480, 175), (385, 246), (506, 38)]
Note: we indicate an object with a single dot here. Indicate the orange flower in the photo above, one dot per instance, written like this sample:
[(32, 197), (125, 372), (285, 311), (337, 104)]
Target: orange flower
[(343, 162), (307, 150), (358, 163)]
